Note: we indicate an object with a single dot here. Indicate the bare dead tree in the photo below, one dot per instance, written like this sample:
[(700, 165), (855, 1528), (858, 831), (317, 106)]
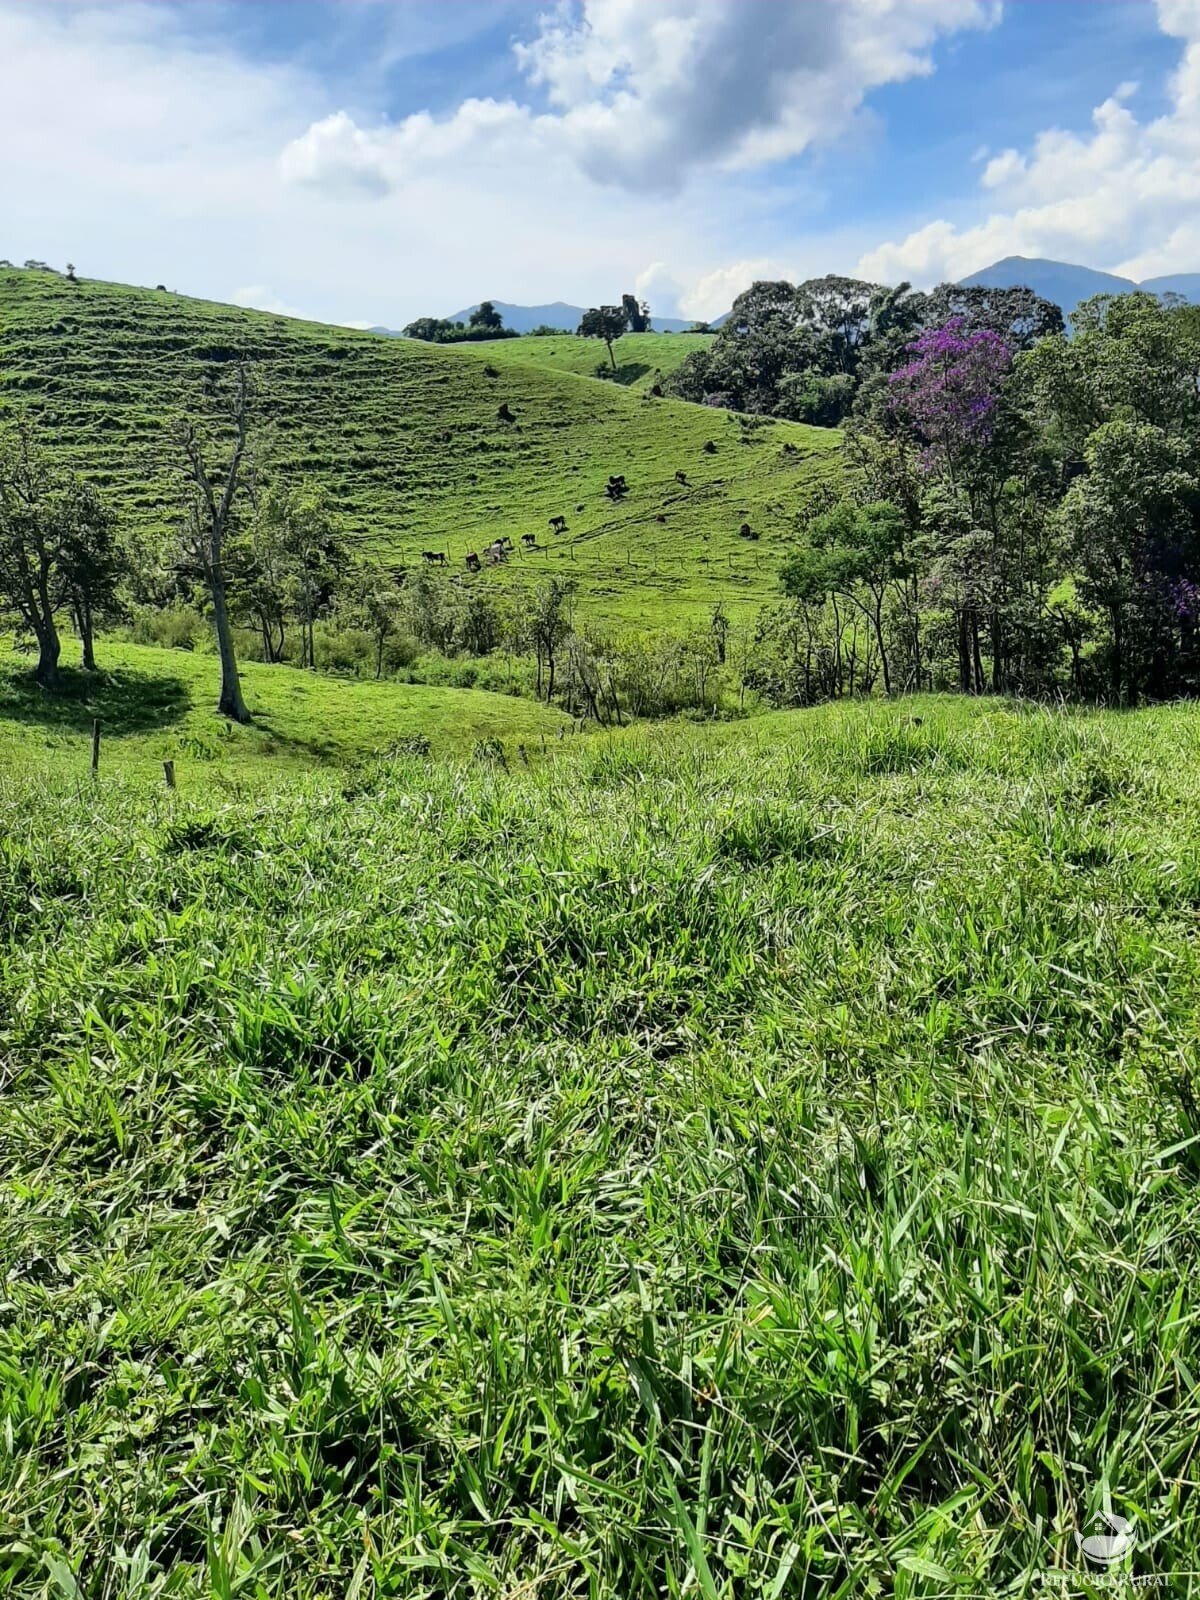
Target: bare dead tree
[(212, 491)]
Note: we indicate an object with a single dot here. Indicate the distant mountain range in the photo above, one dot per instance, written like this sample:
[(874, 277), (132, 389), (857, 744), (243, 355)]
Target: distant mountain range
[(523, 319), (1066, 285)]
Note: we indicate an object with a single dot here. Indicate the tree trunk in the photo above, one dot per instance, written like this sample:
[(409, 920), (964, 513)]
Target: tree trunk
[(87, 634), (230, 704), (378, 657), (611, 357), (550, 676), (49, 650)]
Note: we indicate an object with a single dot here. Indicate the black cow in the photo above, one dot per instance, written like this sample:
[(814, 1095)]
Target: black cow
[(558, 524), (436, 558), (473, 562), (681, 477)]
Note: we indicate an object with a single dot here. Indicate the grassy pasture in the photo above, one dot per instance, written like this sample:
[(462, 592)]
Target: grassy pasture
[(753, 1162), (407, 438), (157, 705), (639, 355)]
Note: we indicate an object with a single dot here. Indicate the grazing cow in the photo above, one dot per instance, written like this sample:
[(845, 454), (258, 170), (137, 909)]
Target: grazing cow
[(710, 448), (681, 477), (529, 540), (444, 436), (661, 517), (473, 562), (506, 543), (579, 507), (490, 371), (789, 449), (504, 414), (746, 532), (435, 558), (558, 524), (616, 488)]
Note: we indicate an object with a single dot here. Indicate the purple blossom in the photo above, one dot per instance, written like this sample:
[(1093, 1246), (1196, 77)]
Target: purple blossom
[(950, 391)]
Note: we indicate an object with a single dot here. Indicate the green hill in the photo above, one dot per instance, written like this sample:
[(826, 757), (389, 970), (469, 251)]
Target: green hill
[(639, 355), (406, 437)]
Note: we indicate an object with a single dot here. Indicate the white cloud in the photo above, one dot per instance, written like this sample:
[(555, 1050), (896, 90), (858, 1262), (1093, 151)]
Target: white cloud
[(715, 292), (174, 158), (660, 288), (336, 156), (1123, 197), (259, 298), (644, 96)]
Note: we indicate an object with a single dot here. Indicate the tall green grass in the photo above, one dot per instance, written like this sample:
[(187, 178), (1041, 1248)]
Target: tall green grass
[(756, 1162)]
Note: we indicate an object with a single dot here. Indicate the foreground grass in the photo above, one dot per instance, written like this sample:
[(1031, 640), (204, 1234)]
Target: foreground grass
[(753, 1166), (156, 705), (406, 438)]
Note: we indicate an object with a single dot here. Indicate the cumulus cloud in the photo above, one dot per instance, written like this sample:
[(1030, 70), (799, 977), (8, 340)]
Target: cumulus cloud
[(642, 98), (336, 155), (1123, 197), (647, 95)]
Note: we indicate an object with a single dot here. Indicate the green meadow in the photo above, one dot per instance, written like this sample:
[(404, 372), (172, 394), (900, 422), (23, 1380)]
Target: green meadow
[(640, 357), (407, 440), (749, 1161)]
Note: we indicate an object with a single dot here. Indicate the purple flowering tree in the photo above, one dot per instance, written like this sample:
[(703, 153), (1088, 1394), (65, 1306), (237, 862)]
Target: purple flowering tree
[(949, 392)]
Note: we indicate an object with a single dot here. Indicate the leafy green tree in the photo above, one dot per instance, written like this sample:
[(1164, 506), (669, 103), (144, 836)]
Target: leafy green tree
[(637, 313), (58, 548), (373, 597), (607, 323), (1131, 529), (546, 626), (93, 562), (857, 552), (486, 318), (430, 330)]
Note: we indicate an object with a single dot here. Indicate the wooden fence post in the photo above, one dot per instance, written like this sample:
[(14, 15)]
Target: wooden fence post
[(95, 746), (169, 773)]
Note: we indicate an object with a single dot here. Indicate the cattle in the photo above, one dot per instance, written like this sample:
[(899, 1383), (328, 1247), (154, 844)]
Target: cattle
[(789, 449), (558, 524), (435, 558), (681, 477), (473, 562), (504, 414), (661, 517), (444, 436), (506, 543), (746, 532), (490, 371), (710, 448), (616, 488), (529, 540)]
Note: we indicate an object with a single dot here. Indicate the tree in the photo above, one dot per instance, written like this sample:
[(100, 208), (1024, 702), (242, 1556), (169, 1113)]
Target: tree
[(30, 546), (607, 323), (1131, 529), (720, 625), (486, 317), (374, 596), (431, 330), (950, 391), (548, 624), (856, 552), (299, 558), (58, 547), (93, 562), (212, 487), (637, 313)]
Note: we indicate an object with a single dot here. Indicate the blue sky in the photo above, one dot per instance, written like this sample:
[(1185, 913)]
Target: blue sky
[(372, 160)]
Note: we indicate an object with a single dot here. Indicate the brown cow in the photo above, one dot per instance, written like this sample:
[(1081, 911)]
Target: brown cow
[(473, 562)]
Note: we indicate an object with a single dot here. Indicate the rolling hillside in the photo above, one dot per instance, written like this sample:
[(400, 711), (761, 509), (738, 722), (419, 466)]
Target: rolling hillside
[(407, 438), (639, 355)]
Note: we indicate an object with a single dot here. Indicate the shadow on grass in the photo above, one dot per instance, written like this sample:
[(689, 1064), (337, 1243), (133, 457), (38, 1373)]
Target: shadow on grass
[(125, 702), (629, 372)]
